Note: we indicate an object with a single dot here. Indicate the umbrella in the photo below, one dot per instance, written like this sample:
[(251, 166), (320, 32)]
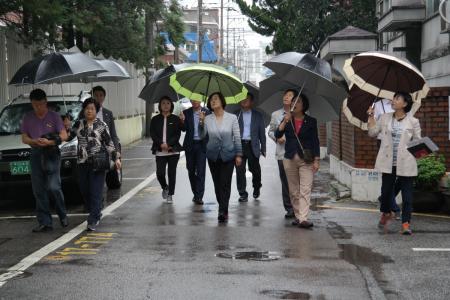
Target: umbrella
[(159, 84), (383, 75), (57, 67), (198, 81), (271, 94), (114, 72), (356, 105), (254, 89), (312, 74)]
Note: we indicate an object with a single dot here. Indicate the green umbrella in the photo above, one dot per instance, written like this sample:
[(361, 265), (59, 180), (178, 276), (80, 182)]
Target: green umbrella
[(198, 81)]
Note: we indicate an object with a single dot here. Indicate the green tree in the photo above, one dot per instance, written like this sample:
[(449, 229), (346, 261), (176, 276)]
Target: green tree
[(173, 24), (302, 25)]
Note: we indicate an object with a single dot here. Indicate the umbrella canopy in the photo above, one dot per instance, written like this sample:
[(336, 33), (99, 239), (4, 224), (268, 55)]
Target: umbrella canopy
[(198, 81), (58, 67), (383, 75), (254, 89), (356, 105), (311, 73), (114, 72), (159, 84), (271, 94)]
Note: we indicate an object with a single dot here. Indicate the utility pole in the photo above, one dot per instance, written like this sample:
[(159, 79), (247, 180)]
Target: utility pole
[(199, 32), (228, 33), (221, 32)]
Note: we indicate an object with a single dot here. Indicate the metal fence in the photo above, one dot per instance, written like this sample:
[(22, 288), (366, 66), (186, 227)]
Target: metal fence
[(121, 97)]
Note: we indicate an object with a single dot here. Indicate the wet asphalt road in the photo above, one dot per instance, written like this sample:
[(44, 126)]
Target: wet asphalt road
[(148, 249)]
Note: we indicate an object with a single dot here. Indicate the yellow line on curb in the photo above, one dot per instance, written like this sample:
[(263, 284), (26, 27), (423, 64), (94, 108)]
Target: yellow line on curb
[(372, 210)]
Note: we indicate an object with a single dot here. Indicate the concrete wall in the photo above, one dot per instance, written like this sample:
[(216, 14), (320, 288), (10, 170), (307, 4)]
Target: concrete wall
[(364, 184), (130, 129)]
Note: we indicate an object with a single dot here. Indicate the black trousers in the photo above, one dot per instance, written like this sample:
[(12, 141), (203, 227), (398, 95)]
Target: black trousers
[(389, 181), (171, 162), (221, 173), (196, 166), (253, 166), (284, 187)]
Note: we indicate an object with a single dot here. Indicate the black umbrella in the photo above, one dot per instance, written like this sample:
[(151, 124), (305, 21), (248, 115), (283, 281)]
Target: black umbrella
[(57, 67), (159, 84), (312, 76), (273, 88)]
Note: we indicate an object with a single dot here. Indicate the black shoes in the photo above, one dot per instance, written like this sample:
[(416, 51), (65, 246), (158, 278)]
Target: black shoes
[(243, 198), (222, 218), (64, 222), (289, 215), (42, 228), (305, 224), (296, 222), (256, 193), (197, 201)]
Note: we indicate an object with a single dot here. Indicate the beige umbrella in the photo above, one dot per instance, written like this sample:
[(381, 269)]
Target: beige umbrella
[(382, 75)]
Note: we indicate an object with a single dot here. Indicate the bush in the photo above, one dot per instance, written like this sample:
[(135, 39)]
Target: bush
[(431, 169)]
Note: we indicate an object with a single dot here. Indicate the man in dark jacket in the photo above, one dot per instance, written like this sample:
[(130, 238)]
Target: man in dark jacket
[(195, 150), (253, 137), (99, 94)]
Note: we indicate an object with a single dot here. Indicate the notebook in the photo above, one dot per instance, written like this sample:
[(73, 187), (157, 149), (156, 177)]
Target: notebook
[(422, 147)]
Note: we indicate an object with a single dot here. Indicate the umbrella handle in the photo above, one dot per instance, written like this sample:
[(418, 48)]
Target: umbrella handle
[(303, 85)]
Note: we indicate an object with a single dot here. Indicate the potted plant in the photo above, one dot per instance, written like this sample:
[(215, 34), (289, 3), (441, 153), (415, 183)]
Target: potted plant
[(427, 196)]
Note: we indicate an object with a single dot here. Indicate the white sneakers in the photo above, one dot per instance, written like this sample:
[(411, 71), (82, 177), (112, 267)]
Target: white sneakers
[(169, 199)]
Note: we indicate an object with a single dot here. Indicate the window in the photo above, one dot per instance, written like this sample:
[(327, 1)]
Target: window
[(432, 6)]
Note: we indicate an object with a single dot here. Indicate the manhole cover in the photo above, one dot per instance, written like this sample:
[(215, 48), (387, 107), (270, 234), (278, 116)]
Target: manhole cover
[(251, 255)]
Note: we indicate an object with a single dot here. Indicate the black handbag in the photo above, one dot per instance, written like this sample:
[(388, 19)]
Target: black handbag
[(101, 161), (308, 156)]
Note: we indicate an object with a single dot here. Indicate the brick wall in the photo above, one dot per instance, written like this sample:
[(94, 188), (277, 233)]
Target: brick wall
[(323, 135), (357, 149)]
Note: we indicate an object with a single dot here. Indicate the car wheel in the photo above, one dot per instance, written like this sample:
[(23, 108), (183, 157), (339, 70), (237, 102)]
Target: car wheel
[(114, 179)]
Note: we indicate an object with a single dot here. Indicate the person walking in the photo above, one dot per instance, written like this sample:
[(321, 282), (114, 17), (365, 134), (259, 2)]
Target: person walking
[(301, 158), (381, 107), (93, 141), (223, 149), (253, 138), (105, 115), (275, 120), (165, 131), (195, 149), (43, 130), (394, 160)]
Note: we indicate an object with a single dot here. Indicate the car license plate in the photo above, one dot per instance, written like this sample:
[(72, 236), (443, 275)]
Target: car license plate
[(19, 167)]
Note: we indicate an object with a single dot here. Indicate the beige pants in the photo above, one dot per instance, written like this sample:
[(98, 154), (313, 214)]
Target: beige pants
[(300, 178)]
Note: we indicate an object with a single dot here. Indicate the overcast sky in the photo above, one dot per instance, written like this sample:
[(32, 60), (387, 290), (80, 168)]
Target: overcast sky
[(237, 20)]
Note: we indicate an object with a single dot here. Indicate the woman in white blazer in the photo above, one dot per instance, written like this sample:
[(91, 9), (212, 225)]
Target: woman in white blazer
[(394, 160)]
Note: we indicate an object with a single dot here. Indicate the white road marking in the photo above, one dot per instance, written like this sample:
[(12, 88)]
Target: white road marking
[(34, 217), (431, 249), (33, 258)]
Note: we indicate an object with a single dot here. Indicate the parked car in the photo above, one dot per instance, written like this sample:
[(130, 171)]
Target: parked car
[(14, 155)]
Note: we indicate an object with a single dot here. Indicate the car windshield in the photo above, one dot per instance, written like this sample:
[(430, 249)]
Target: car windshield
[(11, 116)]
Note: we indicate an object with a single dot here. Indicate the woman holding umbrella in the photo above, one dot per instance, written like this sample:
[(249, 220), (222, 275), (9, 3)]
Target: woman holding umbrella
[(394, 160), (223, 150), (165, 130), (301, 157)]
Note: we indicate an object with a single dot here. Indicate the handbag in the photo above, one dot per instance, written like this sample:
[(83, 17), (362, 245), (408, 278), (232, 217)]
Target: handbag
[(101, 161), (308, 156)]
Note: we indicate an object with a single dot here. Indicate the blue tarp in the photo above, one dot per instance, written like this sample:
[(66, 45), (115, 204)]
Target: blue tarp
[(208, 49)]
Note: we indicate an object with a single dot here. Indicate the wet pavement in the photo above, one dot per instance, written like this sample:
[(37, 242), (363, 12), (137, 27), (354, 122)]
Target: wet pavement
[(147, 249)]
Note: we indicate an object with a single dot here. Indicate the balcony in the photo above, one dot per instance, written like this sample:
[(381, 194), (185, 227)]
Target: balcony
[(403, 14)]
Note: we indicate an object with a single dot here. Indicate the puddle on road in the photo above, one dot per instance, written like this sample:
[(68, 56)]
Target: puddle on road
[(365, 257), (285, 294), (251, 255)]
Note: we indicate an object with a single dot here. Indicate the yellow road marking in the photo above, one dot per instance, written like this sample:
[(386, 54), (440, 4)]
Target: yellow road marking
[(372, 210)]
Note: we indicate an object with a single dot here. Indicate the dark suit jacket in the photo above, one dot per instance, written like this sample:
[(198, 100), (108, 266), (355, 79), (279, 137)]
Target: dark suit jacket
[(172, 135), (257, 132), (108, 118), (308, 136), (188, 126)]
